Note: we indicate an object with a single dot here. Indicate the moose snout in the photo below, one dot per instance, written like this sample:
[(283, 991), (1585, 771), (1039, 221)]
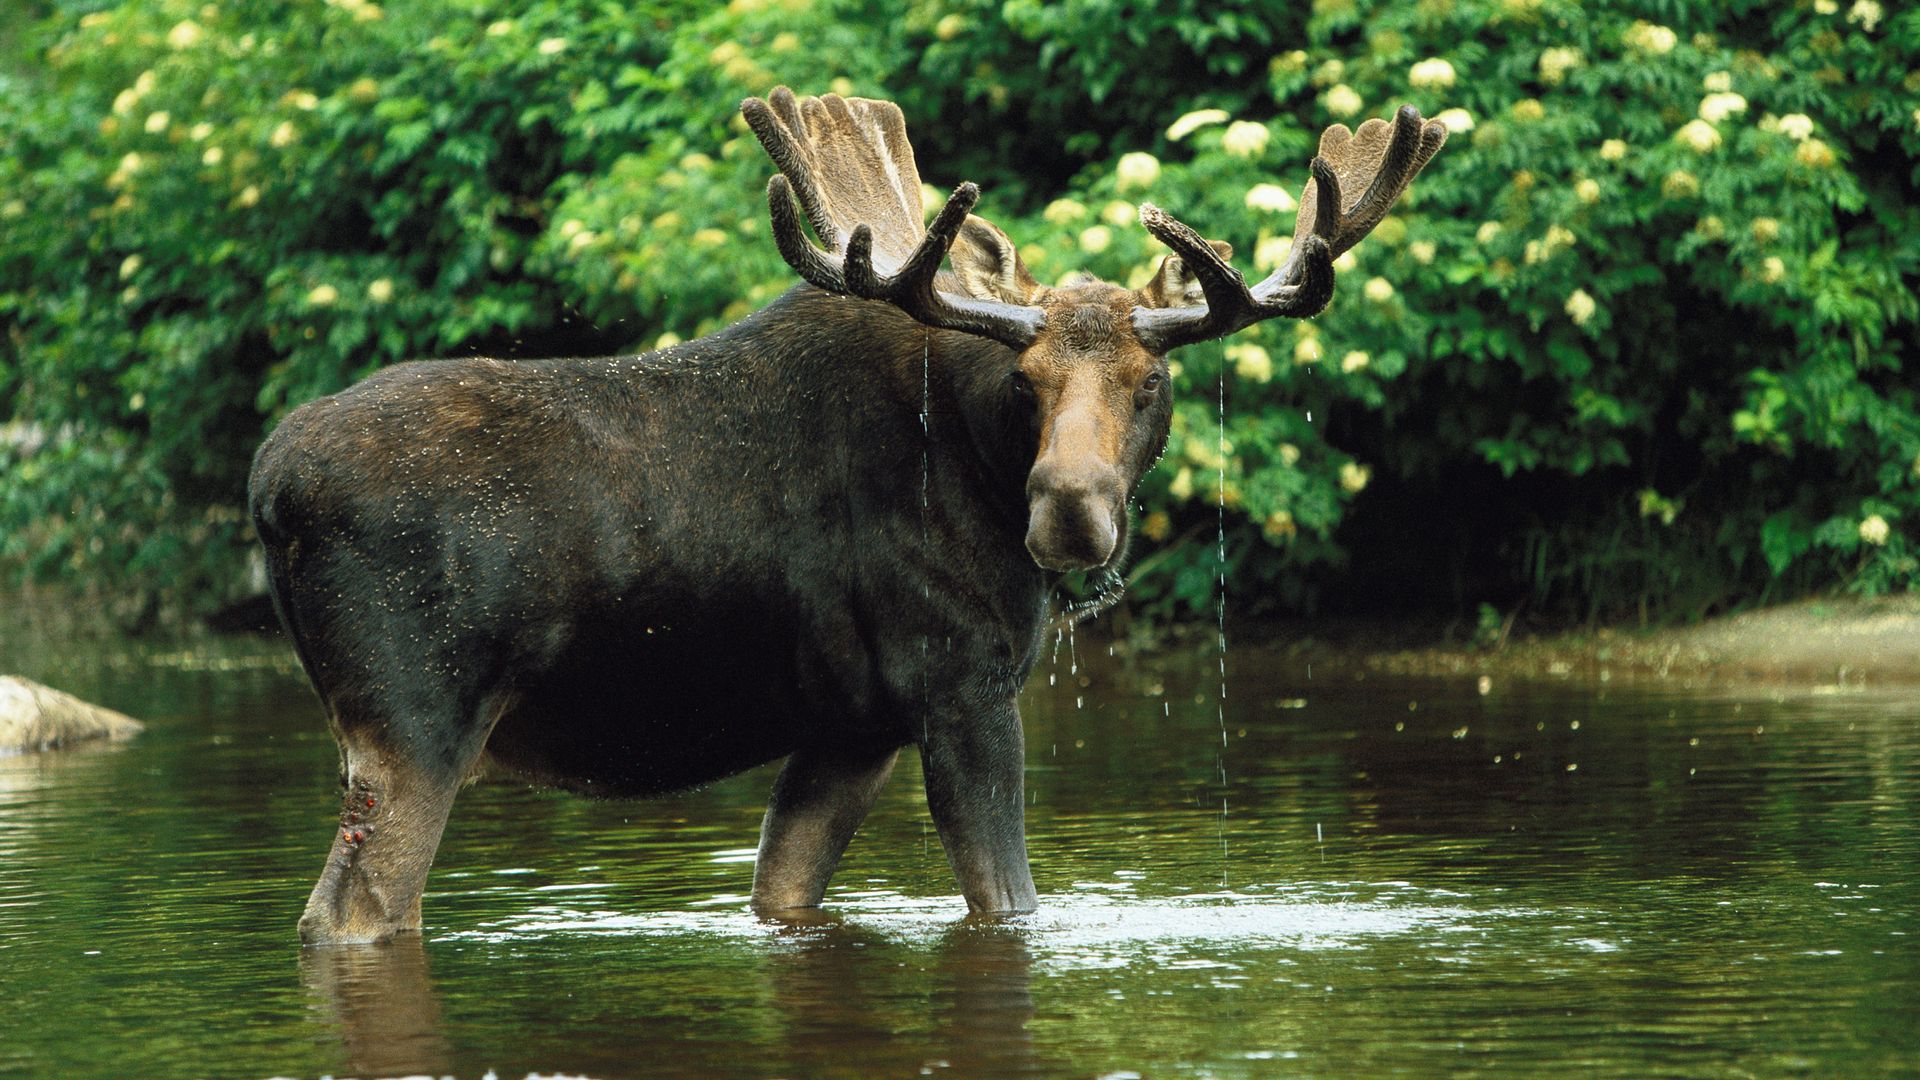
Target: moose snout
[(1073, 518)]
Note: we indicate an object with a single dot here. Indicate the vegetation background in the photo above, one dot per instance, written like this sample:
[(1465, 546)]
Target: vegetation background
[(1638, 342)]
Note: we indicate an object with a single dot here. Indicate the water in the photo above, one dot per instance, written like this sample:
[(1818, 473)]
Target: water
[(1423, 879)]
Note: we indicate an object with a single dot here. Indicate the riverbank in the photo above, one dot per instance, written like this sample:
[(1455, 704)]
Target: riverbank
[(1819, 642)]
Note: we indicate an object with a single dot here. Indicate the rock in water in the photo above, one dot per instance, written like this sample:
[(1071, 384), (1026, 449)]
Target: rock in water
[(35, 717)]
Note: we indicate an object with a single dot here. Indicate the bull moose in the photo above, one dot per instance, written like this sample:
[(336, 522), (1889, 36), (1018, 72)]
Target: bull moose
[(827, 532)]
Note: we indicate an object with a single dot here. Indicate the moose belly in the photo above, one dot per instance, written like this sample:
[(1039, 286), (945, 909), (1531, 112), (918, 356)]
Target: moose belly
[(656, 710)]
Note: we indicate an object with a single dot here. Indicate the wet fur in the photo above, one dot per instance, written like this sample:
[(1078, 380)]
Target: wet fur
[(664, 569)]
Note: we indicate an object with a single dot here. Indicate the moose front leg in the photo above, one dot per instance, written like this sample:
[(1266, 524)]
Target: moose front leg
[(975, 769), (821, 797)]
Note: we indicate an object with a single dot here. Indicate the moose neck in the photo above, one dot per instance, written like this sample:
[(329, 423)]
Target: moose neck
[(923, 425), (937, 393)]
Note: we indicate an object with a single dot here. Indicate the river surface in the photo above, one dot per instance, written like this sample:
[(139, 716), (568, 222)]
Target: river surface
[(1331, 877)]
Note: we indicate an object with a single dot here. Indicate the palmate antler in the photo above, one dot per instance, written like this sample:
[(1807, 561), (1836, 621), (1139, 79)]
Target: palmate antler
[(1378, 161), (848, 162)]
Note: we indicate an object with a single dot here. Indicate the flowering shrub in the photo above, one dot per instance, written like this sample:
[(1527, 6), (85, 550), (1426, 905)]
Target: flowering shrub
[(1636, 340)]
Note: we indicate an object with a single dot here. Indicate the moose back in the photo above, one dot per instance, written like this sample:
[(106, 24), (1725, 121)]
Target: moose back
[(827, 533)]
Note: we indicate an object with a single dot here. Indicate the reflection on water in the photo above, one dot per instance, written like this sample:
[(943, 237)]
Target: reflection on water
[(1409, 877), (382, 1003)]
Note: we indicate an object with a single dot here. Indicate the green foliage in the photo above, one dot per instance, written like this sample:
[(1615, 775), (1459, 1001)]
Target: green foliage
[(1653, 304)]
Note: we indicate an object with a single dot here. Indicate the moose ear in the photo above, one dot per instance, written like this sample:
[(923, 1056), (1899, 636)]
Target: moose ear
[(1173, 285), (987, 265)]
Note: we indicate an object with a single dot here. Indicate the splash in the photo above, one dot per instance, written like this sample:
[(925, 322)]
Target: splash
[(1092, 926)]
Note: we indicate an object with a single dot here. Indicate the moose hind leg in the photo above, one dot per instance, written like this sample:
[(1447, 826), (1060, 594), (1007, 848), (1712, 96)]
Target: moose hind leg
[(391, 818), (821, 797)]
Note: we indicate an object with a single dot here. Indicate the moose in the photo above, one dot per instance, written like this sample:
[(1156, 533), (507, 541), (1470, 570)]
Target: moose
[(828, 532)]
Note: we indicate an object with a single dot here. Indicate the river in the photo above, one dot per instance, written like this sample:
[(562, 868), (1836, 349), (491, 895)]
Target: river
[(1373, 876)]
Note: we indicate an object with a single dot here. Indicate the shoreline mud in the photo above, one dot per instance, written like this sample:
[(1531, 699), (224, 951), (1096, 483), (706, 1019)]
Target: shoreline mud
[(1828, 641)]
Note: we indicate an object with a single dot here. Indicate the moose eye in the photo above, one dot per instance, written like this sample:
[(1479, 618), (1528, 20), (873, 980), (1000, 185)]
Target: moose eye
[(1021, 386), (1149, 391)]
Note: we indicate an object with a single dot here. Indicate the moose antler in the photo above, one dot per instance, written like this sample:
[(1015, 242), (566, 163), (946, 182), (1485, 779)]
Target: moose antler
[(849, 163), (1378, 161)]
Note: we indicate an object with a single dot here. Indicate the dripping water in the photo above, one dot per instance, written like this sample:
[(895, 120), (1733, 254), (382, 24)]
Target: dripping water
[(926, 425), (926, 484), (1220, 535), (1073, 666)]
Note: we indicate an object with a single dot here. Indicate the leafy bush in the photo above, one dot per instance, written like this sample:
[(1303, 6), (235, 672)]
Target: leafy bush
[(1635, 341)]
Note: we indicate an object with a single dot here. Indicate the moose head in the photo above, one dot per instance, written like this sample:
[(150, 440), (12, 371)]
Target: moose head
[(1089, 356)]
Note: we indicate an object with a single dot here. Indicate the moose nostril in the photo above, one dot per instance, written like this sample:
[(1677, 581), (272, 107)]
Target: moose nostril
[(1102, 533), (1071, 532)]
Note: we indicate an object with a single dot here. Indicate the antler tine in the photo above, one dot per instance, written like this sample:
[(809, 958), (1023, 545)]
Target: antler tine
[(782, 130), (1412, 145), (1304, 284), (910, 288), (815, 266), (1231, 305), (1325, 226), (918, 271)]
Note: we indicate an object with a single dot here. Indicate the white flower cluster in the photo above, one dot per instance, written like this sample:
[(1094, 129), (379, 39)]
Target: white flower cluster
[(1651, 38), (1556, 62), (1701, 136), (1194, 121), (1432, 73), (1581, 307), (1717, 107), (1867, 14), (1138, 169), (1244, 138), (1270, 198), (1558, 239), (1343, 100), (124, 102), (1250, 362), (1795, 126), (1062, 211)]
